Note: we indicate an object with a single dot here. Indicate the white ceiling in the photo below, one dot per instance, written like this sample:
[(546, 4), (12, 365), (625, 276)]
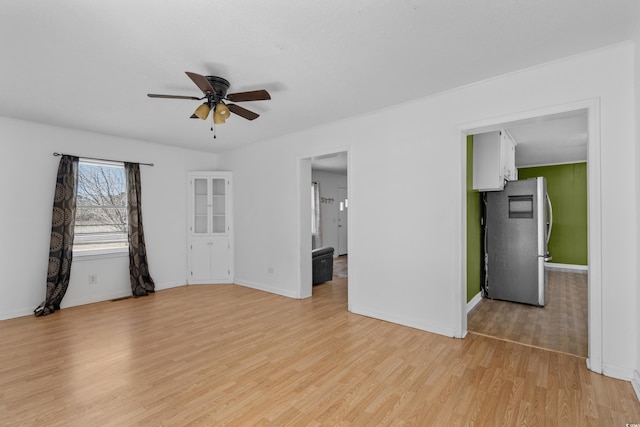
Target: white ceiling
[(554, 139), (89, 65), (334, 163)]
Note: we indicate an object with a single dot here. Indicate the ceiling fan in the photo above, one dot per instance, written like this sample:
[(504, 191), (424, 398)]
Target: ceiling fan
[(215, 93)]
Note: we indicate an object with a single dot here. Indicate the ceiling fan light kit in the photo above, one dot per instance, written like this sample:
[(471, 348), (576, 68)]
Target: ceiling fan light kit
[(203, 111), (215, 92), (221, 114)]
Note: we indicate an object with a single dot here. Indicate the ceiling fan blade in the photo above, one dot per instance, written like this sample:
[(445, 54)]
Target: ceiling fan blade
[(254, 95), (201, 82), (154, 95), (242, 112)]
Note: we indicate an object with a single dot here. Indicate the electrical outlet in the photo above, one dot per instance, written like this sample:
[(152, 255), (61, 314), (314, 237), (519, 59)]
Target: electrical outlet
[(93, 279)]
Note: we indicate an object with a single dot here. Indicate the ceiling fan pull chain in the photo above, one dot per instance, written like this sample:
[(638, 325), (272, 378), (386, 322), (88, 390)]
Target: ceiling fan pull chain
[(213, 127)]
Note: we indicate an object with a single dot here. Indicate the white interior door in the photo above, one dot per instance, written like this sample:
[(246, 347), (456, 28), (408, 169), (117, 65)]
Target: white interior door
[(343, 209)]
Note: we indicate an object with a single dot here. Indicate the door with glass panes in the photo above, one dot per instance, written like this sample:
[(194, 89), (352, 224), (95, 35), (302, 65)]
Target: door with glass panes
[(210, 230)]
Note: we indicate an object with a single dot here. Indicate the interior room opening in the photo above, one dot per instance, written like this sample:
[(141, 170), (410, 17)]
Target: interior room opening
[(555, 313), (328, 213)]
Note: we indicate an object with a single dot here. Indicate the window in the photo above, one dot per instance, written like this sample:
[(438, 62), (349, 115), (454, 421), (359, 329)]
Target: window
[(316, 225), (101, 207), (315, 208)]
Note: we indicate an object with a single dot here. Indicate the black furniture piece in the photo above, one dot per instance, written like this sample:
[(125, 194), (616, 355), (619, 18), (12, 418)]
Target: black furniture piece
[(322, 265)]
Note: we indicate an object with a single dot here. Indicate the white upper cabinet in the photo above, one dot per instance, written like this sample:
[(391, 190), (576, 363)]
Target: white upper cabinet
[(494, 160)]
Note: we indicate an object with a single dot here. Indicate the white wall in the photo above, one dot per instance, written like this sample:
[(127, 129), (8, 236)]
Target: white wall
[(636, 378), (411, 272), (329, 183), (27, 179)]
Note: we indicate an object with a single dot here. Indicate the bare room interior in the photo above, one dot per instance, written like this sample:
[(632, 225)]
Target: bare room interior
[(272, 214)]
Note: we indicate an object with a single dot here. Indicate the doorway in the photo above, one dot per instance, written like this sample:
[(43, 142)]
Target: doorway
[(590, 109), (329, 174)]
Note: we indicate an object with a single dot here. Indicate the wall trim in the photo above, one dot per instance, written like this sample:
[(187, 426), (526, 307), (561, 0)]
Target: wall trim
[(411, 323), (17, 313), (474, 301), (169, 285), (266, 288), (618, 372), (92, 299), (210, 282), (635, 382), (574, 268), (68, 303)]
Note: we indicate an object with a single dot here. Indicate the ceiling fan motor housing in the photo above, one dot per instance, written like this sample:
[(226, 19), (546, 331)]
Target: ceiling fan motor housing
[(220, 85)]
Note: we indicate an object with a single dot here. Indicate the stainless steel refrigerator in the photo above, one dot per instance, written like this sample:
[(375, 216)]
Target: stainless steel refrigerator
[(517, 227)]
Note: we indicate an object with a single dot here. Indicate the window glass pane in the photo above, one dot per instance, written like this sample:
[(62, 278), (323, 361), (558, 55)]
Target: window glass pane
[(218, 223), (200, 224), (218, 205), (200, 187), (218, 186), (218, 200), (200, 205), (101, 207)]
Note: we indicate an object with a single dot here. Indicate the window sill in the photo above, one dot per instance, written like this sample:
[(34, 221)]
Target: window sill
[(91, 254)]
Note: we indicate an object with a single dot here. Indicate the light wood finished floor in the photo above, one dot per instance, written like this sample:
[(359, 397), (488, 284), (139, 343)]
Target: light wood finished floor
[(228, 355), (560, 325)]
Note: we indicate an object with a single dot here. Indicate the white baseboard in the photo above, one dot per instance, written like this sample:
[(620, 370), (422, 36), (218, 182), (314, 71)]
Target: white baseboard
[(412, 323), (474, 301), (70, 302), (594, 365), (91, 299), (18, 313), (618, 372), (574, 268), (635, 382), (265, 288), (169, 285), (210, 282)]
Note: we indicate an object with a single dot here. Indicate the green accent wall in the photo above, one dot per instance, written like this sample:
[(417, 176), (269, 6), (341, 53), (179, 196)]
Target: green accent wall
[(474, 245), (567, 189)]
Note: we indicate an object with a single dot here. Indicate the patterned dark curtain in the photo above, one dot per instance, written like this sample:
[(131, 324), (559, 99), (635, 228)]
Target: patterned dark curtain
[(141, 282), (62, 227)]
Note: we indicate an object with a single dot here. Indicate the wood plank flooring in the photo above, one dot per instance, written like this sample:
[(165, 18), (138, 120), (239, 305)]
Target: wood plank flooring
[(560, 325), (229, 355), (340, 266)]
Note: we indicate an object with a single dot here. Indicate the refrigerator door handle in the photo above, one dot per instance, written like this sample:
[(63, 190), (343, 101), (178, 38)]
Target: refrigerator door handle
[(550, 218)]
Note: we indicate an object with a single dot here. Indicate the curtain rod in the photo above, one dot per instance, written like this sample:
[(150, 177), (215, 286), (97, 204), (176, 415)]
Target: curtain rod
[(102, 160)]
